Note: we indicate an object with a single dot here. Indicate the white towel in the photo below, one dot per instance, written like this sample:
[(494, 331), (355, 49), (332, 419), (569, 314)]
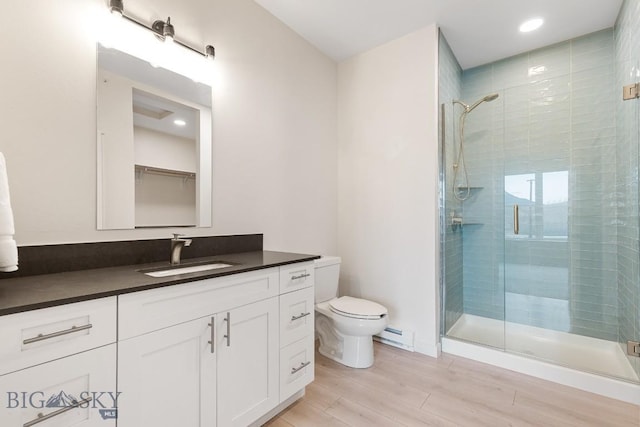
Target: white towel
[(8, 255), (8, 248)]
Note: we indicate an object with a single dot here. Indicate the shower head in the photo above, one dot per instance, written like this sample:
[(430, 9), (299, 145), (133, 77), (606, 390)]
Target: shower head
[(469, 108), (487, 98), (491, 97)]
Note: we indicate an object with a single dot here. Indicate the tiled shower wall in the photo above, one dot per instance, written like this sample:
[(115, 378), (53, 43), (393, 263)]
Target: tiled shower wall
[(556, 113), (450, 81), (627, 60)]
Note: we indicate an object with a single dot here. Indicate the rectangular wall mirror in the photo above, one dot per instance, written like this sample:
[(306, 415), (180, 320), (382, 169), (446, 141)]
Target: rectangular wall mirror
[(153, 145)]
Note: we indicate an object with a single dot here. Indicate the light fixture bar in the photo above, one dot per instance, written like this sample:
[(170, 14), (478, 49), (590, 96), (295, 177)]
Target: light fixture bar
[(160, 28)]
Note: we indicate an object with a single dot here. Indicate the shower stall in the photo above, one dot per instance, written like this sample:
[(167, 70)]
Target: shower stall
[(539, 203)]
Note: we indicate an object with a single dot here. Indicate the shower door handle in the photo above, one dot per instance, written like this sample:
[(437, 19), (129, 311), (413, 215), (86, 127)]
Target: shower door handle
[(516, 219)]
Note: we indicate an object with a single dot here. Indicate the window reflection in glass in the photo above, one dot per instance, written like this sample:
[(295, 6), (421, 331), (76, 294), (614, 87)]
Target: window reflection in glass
[(543, 199)]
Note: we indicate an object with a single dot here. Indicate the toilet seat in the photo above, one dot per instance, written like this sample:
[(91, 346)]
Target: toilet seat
[(357, 308)]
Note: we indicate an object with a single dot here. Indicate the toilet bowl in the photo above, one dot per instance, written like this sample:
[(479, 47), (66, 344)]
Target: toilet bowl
[(344, 325)]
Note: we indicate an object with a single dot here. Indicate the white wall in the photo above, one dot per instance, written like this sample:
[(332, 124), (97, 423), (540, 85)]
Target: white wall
[(274, 123), (387, 132), (164, 200), (164, 150)]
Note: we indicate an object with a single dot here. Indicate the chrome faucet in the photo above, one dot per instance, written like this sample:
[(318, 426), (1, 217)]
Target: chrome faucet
[(176, 247)]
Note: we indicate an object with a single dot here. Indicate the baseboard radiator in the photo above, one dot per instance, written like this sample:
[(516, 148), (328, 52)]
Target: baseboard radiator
[(396, 337)]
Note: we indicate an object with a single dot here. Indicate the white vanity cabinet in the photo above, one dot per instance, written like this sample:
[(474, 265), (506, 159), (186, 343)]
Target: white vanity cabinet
[(206, 353), (58, 366), (170, 377), (229, 351)]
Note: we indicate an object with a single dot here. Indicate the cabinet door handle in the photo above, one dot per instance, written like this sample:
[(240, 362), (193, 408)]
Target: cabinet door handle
[(294, 318), (302, 366), (42, 337), (228, 336), (302, 276), (42, 417), (213, 334), (516, 219)]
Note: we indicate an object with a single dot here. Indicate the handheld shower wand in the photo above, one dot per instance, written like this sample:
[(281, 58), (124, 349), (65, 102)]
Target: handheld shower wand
[(469, 108), (460, 159)]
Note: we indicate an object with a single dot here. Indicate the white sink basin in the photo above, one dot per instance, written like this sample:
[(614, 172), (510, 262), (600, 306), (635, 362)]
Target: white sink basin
[(185, 270)]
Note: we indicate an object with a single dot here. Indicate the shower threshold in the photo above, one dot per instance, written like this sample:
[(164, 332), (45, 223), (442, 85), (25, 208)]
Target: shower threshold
[(574, 351), (464, 340)]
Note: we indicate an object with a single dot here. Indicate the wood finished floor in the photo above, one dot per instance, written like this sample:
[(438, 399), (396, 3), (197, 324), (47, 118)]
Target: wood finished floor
[(409, 389)]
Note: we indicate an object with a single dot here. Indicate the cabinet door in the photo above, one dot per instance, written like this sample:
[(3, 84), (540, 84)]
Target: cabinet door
[(168, 377), (247, 345), (78, 390)]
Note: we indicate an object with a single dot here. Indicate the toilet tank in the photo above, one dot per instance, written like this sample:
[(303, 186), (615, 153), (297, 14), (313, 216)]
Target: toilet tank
[(327, 273)]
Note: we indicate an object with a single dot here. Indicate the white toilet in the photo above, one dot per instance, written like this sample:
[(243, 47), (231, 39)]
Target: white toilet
[(344, 325)]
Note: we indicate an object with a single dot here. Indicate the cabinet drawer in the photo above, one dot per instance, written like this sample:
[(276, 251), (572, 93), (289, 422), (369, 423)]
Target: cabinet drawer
[(296, 315), (51, 389), (296, 366), (146, 311), (38, 336), (296, 276)]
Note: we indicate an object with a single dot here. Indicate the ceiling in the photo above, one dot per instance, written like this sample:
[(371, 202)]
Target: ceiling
[(156, 113), (478, 31)]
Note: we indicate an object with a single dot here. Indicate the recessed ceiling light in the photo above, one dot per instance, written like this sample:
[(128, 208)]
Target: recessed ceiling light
[(179, 122), (531, 25)]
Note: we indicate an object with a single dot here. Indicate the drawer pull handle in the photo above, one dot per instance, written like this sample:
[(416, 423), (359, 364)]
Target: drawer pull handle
[(42, 417), (302, 276), (228, 336), (71, 330), (294, 318), (213, 334), (302, 366)]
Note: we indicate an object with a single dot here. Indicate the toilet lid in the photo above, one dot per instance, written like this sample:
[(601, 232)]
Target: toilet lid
[(357, 307)]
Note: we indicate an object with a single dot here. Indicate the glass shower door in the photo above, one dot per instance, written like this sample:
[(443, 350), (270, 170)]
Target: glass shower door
[(536, 196), (571, 222)]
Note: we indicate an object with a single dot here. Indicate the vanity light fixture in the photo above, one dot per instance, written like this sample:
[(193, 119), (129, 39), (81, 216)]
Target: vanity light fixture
[(116, 6), (179, 122), (531, 25), (163, 30), (209, 52)]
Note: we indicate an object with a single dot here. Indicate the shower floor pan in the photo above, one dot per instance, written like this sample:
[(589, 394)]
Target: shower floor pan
[(570, 350)]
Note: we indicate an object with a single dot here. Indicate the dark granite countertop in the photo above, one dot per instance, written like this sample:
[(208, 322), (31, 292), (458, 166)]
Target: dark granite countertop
[(48, 290)]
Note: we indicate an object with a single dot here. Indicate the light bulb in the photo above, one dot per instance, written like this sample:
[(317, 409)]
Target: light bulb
[(531, 25)]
